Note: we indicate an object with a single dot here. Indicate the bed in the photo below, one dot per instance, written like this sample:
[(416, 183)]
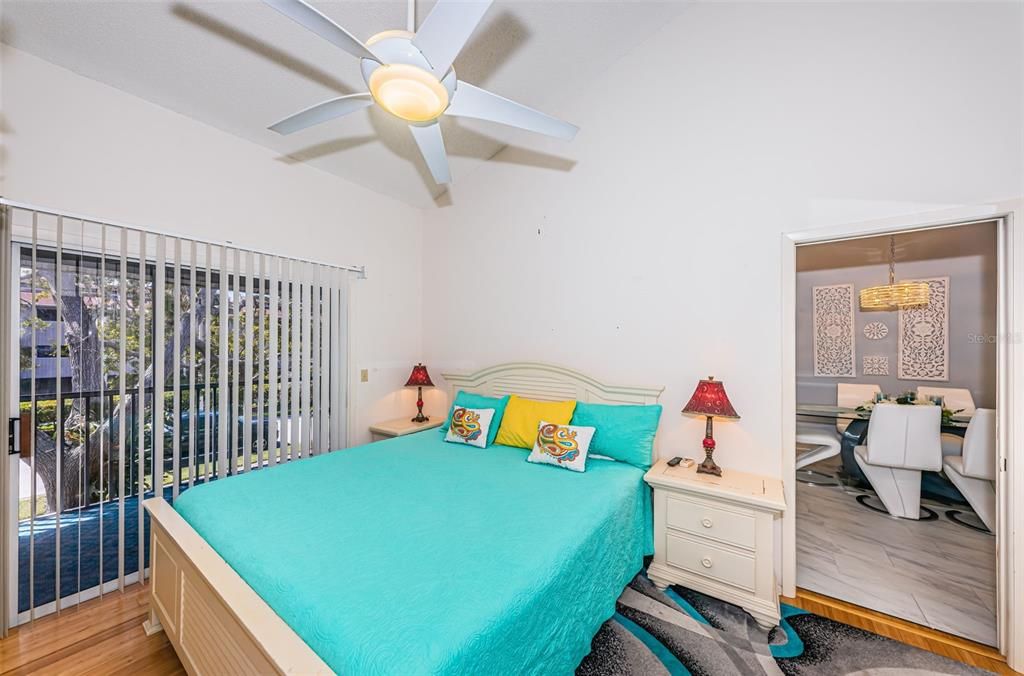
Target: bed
[(407, 556)]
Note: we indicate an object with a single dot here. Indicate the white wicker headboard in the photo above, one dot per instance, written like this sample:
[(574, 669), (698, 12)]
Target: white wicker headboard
[(536, 380)]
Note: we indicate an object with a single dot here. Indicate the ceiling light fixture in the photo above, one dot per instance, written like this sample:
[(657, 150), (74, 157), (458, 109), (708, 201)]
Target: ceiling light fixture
[(894, 295), (408, 92)]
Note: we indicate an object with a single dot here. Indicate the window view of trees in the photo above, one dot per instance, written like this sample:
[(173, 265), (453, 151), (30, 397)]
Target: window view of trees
[(148, 363), (73, 346)]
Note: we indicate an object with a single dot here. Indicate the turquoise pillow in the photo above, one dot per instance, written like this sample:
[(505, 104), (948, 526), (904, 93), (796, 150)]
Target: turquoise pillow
[(469, 400), (625, 433)]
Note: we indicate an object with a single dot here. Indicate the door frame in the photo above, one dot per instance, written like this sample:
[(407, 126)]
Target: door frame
[(9, 367), (1009, 396), (8, 384)]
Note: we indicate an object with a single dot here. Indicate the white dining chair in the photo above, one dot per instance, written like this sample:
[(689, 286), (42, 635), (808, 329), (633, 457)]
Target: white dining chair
[(819, 443), (852, 395), (955, 399), (902, 442), (974, 471)]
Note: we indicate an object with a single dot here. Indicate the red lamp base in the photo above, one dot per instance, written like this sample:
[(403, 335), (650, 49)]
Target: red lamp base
[(709, 466), (419, 407)]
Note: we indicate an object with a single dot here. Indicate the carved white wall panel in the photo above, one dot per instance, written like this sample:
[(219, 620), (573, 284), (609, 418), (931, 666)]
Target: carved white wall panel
[(924, 336), (875, 365), (876, 330), (834, 346)]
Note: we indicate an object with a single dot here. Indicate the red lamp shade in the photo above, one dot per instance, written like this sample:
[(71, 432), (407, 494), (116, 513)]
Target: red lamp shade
[(710, 399), (419, 377)]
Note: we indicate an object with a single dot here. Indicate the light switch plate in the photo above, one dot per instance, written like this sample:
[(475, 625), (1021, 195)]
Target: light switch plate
[(364, 376)]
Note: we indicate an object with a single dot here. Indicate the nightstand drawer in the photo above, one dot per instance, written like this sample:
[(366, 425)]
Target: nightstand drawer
[(707, 560), (734, 527)]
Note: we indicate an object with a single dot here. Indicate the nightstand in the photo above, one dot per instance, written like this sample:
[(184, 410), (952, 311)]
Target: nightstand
[(399, 427), (716, 535)]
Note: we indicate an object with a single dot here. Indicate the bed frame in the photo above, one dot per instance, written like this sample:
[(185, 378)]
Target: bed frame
[(218, 625)]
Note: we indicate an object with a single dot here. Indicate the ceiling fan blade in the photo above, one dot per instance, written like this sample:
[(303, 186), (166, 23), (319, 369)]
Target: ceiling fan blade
[(314, 20), (470, 101), (431, 144), (322, 112), (446, 29)]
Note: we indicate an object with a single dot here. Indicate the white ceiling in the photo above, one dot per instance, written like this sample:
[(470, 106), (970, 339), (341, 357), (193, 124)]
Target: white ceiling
[(240, 66)]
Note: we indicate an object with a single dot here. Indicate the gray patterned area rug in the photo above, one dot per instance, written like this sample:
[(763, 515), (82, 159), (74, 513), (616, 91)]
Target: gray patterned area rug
[(680, 631)]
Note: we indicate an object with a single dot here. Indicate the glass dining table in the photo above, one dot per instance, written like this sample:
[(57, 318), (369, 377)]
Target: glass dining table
[(856, 432)]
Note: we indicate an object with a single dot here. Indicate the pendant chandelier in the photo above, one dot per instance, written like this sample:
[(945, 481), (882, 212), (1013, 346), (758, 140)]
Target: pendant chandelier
[(894, 295)]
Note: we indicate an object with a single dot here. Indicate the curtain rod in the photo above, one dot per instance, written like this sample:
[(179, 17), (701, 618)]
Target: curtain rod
[(360, 270)]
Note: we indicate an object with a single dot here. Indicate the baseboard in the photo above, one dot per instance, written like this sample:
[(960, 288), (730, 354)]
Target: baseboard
[(904, 631)]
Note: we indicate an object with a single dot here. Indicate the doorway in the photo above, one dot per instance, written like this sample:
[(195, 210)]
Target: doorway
[(932, 562), (1010, 282)]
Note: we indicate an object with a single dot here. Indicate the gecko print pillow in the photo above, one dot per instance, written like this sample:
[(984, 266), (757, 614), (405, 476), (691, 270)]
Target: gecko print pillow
[(470, 426), (562, 445)]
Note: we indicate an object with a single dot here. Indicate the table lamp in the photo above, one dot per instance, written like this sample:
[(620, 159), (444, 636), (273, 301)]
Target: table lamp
[(709, 399), (419, 378)]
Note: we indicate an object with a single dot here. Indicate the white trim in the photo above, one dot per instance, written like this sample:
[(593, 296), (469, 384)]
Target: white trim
[(8, 406), (1010, 483), (1011, 490)]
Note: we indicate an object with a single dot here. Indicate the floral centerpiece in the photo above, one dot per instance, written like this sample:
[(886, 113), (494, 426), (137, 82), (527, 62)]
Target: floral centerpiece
[(910, 398)]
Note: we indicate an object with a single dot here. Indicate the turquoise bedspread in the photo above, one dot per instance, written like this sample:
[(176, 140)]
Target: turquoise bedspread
[(414, 556)]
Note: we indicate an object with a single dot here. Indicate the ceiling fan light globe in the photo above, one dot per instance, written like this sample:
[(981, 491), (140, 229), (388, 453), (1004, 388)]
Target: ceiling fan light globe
[(408, 92), (385, 35)]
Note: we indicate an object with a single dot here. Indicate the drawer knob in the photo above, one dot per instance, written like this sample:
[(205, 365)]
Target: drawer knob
[(706, 562), (707, 523)]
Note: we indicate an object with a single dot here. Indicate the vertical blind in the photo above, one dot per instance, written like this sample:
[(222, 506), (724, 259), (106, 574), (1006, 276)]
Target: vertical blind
[(150, 363)]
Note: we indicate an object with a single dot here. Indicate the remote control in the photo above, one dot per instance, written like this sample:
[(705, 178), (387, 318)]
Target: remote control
[(674, 461)]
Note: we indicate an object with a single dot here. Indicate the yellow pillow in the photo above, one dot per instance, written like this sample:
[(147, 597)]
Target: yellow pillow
[(523, 416)]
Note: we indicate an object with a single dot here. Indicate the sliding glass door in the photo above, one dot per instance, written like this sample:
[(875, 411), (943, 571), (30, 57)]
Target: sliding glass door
[(147, 364)]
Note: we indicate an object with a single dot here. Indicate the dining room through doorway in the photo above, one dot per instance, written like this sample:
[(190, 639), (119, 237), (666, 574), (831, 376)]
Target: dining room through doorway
[(896, 394)]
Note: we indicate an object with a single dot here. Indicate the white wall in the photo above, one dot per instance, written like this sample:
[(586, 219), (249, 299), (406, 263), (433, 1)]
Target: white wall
[(656, 258), (973, 297), (74, 144)]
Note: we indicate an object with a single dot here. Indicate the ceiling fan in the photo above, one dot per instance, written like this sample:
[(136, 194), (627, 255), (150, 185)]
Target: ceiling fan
[(410, 75)]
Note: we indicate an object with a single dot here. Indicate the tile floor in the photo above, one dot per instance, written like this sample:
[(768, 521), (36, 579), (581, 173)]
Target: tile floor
[(934, 573)]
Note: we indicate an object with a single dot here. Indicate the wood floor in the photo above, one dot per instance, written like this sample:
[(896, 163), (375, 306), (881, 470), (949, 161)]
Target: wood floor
[(947, 645), (103, 636)]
